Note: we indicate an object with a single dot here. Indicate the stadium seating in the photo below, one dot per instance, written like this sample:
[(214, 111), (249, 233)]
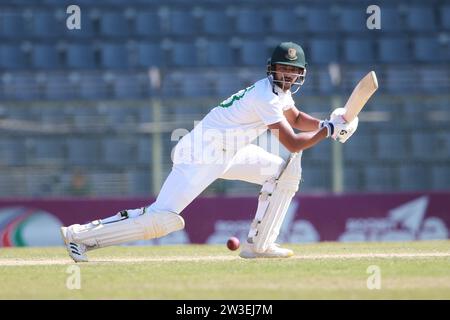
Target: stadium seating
[(319, 20), (285, 22), (414, 177), (440, 175), (394, 50), (82, 151), (80, 56), (147, 23), (359, 50), (12, 57), (182, 23), (150, 55), (95, 83), (12, 24), (250, 22), (113, 24), (45, 56), (324, 50), (353, 19), (421, 18), (113, 56), (379, 177)]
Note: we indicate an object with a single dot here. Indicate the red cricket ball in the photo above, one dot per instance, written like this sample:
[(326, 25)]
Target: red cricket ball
[(233, 243)]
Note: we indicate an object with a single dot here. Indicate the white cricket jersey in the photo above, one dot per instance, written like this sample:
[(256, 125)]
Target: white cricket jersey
[(245, 115)]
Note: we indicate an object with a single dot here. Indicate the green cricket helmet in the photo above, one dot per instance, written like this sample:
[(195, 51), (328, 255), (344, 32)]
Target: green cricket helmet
[(288, 54)]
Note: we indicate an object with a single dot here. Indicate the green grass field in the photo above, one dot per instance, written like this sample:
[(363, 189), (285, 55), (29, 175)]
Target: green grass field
[(414, 270)]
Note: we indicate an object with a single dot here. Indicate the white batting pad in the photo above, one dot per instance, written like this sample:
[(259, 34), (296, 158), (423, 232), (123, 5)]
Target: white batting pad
[(274, 201), (148, 225)]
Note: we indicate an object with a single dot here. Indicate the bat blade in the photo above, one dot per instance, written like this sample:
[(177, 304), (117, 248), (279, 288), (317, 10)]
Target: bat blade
[(365, 88)]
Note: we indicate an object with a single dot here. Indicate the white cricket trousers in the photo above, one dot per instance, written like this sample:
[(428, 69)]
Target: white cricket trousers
[(197, 164)]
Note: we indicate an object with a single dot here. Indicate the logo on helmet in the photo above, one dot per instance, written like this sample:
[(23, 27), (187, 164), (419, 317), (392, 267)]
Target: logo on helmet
[(291, 54)]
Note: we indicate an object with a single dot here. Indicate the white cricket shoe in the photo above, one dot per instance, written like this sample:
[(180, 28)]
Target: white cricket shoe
[(273, 251), (76, 250)]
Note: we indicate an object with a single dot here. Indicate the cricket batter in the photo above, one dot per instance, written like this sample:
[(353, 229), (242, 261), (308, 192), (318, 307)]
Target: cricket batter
[(220, 147)]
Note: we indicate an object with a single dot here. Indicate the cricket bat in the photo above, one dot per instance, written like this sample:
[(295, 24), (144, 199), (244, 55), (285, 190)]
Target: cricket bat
[(365, 88)]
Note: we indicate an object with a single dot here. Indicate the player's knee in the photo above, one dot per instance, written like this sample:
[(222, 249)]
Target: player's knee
[(160, 224)]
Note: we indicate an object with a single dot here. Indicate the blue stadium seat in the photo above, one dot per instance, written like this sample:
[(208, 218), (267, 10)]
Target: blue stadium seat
[(394, 50), (118, 151), (324, 81), (423, 145), (196, 86), (46, 149), (434, 80), (12, 151), (21, 86), (12, 23), (44, 24), (45, 56), (83, 118), (182, 23), (391, 20), (421, 18), (250, 22), (52, 115), (285, 21), (118, 116), (319, 20), (171, 84), (445, 16), (80, 56), (11, 57), (399, 79), (359, 50), (427, 49), (145, 114), (144, 151), (324, 50), (114, 56), (140, 182), (378, 178), (352, 19), (440, 175), (413, 177), (254, 53), (184, 54), (443, 145), (352, 179), (113, 24), (359, 148), (58, 87), (219, 53), (315, 178), (83, 151), (320, 152), (150, 55), (216, 22), (147, 23), (391, 146), (129, 86), (226, 85), (93, 86)]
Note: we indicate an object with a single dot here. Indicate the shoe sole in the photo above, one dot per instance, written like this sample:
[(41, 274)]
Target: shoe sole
[(63, 231)]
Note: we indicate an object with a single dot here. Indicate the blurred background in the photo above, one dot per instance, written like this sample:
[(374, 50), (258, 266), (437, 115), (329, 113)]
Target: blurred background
[(90, 112)]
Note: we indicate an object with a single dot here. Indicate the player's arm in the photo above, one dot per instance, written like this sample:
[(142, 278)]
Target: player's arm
[(296, 142), (300, 120)]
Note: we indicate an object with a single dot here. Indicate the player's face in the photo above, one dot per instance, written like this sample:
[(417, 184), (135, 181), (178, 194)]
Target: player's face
[(286, 76)]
